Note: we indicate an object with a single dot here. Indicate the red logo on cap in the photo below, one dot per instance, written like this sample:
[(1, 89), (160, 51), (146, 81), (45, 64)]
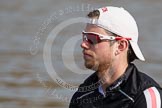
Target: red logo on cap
[(104, 9)]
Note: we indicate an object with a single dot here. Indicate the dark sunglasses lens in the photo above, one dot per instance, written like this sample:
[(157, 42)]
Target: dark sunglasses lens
[(91, 38)]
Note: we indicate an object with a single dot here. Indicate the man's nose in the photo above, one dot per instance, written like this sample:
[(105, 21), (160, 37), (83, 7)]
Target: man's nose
[(85, 45)]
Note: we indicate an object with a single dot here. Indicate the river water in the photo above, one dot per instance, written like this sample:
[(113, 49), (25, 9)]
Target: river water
[(27, 75)]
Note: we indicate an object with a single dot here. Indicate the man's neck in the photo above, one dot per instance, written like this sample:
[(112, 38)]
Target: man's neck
[(110, 75)]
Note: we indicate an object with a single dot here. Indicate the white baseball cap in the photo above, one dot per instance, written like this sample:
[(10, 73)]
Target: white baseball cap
[(121, 22)]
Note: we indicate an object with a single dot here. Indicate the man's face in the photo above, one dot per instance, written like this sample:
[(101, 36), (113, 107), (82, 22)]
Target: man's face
[(97, 56)]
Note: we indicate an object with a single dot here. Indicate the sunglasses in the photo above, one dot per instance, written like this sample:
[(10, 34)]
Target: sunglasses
[(94, 38)]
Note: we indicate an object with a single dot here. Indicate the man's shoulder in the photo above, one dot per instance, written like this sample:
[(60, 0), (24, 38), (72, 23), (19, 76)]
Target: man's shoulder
[(148, 89), (138, 81), (141, 79), (146, 81)]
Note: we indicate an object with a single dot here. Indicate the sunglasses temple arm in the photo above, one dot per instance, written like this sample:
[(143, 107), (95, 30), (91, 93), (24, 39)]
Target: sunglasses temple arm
[(119, 38)]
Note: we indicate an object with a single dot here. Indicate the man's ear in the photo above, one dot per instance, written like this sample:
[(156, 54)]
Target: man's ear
[(122, 45)]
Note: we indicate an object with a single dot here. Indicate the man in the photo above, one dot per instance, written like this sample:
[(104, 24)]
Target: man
[(109, 46)]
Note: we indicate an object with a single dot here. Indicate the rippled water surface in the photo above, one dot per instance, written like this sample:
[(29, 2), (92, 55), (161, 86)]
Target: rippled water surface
[(26, 24)]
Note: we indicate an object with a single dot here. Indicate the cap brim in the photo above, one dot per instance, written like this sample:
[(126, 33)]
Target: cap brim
[(137, 51)]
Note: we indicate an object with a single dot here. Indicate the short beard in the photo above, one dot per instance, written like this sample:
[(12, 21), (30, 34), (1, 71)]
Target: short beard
[(93, 65)]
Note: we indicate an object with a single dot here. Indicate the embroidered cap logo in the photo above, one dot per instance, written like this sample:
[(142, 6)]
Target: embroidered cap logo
[(105, 9)]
